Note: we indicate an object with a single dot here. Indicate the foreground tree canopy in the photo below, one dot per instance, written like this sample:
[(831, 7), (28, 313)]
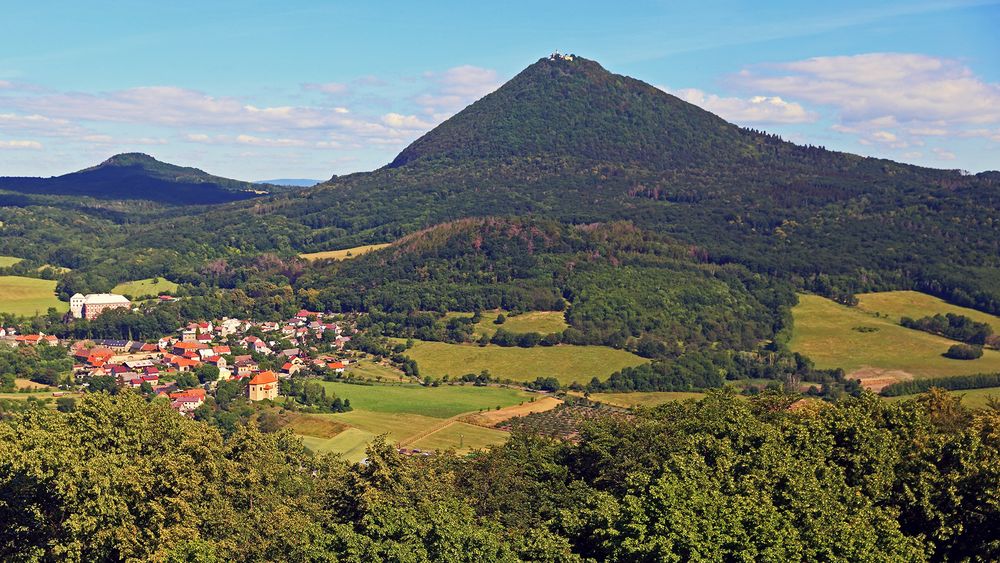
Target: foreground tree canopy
[(719, 479)]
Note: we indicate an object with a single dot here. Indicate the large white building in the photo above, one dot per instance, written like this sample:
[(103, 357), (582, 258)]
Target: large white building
[(91, 305)]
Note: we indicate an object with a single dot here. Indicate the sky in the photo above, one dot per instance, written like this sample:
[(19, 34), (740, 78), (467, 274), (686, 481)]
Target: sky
[(295, 89)]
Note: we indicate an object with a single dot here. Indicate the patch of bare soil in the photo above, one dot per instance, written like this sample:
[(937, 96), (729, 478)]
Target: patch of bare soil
[(489, 419), (876, 379)]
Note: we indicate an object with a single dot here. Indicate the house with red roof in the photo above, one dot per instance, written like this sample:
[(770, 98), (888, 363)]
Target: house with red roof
[(263, 386)]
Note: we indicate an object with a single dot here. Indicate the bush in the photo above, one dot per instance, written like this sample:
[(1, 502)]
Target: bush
[(964, 352)]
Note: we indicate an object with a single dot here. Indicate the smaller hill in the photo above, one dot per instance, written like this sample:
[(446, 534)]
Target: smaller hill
[(290, 182), (138, 176)]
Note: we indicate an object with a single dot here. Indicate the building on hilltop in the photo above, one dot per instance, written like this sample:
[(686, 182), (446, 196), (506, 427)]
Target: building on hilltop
[(91, 305), (264, 385)]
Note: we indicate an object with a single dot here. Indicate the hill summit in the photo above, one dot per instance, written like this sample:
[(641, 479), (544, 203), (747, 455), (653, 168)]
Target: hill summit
[(571, 106), (139, 176)]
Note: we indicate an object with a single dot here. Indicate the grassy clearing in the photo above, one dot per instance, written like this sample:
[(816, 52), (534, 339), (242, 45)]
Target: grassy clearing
[(344, 253), (439, 402), (350, 443), (647, 399), (21, 383), (542, 322), (565, 363), (914, 304), (399, 426), (145, 288), (369, 370), (972, 398), (462, 437), (6, 261), (28, 296), (825, 332)]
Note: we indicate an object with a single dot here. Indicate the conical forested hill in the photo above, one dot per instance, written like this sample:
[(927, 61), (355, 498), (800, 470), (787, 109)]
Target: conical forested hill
[(565, 106), (138, 176)]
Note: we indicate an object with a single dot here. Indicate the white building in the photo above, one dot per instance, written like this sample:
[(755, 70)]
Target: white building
[(91, 305)]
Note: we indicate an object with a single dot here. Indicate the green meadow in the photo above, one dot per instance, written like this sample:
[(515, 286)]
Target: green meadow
[(565, 363), (7, 261), (145, 288), (409, 411), (28, 296), (854, 339)]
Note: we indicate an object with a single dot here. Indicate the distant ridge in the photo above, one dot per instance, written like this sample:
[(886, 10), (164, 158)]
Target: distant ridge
[(295, 182), (138, 176)]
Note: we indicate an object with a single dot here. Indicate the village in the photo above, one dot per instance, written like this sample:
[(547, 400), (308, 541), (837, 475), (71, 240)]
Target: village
[(188, 365)]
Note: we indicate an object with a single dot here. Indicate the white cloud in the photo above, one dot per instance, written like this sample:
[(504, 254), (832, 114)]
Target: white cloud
[(257, 141), (943, 154), (405, 121), (13, 144), (455, 88), (889, 99), (757, 109), (327, 88)]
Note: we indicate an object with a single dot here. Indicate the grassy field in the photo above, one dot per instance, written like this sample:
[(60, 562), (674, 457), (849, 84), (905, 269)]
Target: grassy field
[(462, 437), (827, 333), (146, 287), (439, 402), (369, 370), (404, 412), (6, 261), (344, 253), (565, 363), (647, 399), (27, 296), (972, 398), (542, 322), (350, 443), (914, 304)]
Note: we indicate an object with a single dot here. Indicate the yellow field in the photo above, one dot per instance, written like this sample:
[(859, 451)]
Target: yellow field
[(825, 331), (145, 288), (542, 322), (344, 253), (565, 363), (914, 304), (28, 296), (6, 261)]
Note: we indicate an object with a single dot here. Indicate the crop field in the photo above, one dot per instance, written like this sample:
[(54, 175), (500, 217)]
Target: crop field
[(6, 261), (462, 437), (145, 288), (644, 399), (28, 296), (344, 253), (565, 363), (914, 304), (440, 402), (874, 348)]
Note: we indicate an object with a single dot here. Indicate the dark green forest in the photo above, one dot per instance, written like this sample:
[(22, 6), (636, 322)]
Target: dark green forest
[(122, 479)]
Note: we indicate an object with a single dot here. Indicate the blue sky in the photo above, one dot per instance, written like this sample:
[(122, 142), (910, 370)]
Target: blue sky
[(255, 89)]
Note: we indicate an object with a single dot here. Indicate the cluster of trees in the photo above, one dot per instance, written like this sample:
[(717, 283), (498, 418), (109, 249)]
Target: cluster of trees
[(953, 326), (955, 382), (312, 395), (707, 369), (48, 365), (860, 479)]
